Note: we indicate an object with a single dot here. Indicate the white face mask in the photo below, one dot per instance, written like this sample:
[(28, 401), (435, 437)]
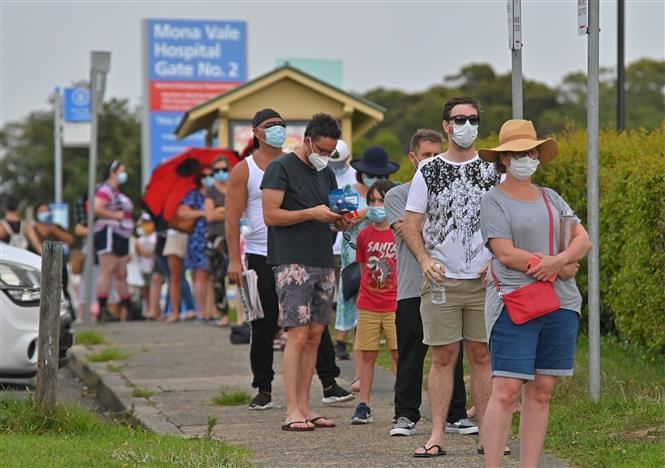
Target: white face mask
[(465, 135), (524, 167), (319, 162)]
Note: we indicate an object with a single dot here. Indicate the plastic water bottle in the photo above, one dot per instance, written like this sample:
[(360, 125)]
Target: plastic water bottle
[(245, 228), (438, 293), (438, 290)]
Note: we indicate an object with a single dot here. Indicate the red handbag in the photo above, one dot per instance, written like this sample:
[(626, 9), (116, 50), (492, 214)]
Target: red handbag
[(533, 300)]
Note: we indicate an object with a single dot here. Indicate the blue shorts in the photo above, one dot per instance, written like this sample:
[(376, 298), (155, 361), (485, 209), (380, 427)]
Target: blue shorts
[(545, 345)]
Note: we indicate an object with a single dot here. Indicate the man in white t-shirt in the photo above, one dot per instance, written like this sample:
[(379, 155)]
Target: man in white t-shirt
[(445, 193)]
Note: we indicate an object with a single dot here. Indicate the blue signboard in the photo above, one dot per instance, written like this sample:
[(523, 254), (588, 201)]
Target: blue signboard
[(187, 62), (76, 104)]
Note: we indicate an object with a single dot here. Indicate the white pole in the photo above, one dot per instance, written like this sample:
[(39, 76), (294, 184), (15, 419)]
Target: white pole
[(592, 199), (57, 144), (515, 41)]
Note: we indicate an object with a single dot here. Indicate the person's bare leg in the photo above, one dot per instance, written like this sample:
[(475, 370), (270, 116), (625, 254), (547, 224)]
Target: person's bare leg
[(481, 382), (497, 418), (308, 363), (440, 389), (368, 360), (155, 291), (175, 279), (394, 356), (534, 418), (201, 281), (120, 275), (291, 362), (106, 267)]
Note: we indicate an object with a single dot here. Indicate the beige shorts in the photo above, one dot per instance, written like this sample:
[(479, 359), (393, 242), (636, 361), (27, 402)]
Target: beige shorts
[(176, 244), (370, 325), (462, 316)]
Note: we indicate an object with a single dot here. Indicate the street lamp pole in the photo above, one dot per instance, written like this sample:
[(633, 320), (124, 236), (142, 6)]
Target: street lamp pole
[(99, 67), (515, 40)]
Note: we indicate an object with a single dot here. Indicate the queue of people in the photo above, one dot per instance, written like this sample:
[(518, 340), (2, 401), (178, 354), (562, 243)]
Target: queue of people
[(452, 261)]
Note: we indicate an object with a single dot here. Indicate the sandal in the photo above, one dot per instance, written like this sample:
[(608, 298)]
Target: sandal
[(289, 426), (426, 454), (322, 425)]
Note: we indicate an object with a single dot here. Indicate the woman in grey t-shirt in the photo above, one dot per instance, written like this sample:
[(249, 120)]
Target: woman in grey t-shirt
[(515, 225)]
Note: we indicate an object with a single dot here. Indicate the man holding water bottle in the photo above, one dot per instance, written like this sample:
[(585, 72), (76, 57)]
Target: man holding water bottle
[(445, 195)]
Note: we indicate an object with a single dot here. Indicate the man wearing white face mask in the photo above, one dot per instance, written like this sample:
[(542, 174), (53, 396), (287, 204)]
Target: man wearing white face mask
[(295, 208), (445, 194)]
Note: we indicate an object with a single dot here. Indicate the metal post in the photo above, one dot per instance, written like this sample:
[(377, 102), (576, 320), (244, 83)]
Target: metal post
[(621, 65), (146, 146), (592, 198), (48, 348), (515, 42), (57, 143), (99, 68), (518, 107)]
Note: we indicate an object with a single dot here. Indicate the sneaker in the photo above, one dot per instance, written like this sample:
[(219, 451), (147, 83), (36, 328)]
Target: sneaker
[(463, 426), (262, 401), (107, 316), (341, 353), (363, 414), (403, 427), (336, 394)]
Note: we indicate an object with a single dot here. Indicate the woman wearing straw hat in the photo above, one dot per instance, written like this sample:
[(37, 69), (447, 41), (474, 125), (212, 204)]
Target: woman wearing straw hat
[(520, 221)]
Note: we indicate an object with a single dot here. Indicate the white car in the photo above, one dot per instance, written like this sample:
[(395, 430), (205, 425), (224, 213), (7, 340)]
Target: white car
[(20, 278)]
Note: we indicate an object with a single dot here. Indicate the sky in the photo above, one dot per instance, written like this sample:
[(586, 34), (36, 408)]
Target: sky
[(405, 45)]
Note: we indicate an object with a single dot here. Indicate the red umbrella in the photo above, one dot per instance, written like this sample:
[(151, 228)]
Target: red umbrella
[(173, 179)]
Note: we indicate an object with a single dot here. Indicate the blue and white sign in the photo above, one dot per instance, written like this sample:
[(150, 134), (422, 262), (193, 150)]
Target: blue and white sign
[(76, 105), (186, 62)]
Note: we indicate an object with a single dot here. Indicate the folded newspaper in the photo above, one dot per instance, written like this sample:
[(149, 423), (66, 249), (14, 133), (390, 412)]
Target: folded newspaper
[(249, 296)]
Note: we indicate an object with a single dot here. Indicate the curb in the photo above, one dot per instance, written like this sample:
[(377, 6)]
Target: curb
[(115, 394)]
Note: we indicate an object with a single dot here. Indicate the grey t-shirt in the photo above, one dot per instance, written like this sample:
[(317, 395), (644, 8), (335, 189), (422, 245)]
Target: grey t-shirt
[(527, 225), (409, 274), (216, 228)]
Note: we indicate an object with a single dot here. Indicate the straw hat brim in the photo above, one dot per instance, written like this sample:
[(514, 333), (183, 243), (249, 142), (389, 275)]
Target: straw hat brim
[(548, 149)]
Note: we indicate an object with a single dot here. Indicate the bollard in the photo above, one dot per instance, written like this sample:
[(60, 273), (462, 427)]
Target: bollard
[(49, 326)]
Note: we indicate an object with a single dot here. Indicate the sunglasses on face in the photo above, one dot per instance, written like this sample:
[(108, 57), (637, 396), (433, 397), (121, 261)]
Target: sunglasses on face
[(275, 124), (461, 119), (219, 170)]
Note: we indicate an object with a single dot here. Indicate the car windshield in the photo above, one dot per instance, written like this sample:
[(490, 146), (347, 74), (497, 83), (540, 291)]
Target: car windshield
[(13, 275)]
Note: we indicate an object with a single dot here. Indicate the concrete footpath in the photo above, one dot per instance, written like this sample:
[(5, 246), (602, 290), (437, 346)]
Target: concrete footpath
[(185, 364)]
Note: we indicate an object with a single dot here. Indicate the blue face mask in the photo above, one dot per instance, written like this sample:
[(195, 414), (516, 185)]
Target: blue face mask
[(369, 180), (45, 217), (208, 181), (221, 176), (275, 136), (376, 214), (122, 177)]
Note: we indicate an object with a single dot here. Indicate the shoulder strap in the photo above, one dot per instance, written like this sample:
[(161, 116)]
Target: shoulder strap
[(549, 213), (7, 227)]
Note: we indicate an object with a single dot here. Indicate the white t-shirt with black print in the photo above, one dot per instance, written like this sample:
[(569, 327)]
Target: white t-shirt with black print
[(448, 194)]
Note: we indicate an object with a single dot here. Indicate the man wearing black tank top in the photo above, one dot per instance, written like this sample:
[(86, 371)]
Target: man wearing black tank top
[(269, 131)]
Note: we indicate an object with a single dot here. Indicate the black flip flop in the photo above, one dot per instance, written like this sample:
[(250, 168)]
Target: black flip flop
[(440, 452), (288, 426), (313, 421), (481, 451)]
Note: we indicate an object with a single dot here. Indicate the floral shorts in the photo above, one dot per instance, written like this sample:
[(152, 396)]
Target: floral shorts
[(305, 294)]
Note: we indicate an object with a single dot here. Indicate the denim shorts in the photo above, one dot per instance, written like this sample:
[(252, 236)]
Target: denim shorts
[(545, 345)]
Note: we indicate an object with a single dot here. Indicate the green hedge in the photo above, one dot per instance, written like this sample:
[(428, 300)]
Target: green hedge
[(632, 224)]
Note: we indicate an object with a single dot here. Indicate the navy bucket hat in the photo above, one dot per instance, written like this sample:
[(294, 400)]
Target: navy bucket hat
[(375, 162)]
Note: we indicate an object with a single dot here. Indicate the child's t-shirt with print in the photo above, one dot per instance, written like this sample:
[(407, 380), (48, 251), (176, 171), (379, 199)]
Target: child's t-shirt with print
[(377, 253)]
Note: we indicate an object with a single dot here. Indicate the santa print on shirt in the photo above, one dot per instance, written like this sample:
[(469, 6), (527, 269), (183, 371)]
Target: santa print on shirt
[(454, 193), (377, 252)]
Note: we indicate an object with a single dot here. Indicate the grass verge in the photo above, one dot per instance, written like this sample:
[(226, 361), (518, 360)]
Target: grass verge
[(625, 429), (89, 338), (229, 397), (107, 354), (74, 436), (142, 393)]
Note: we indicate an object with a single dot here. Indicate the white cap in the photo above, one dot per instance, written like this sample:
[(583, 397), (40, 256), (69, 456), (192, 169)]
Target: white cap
[(342, 151)]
